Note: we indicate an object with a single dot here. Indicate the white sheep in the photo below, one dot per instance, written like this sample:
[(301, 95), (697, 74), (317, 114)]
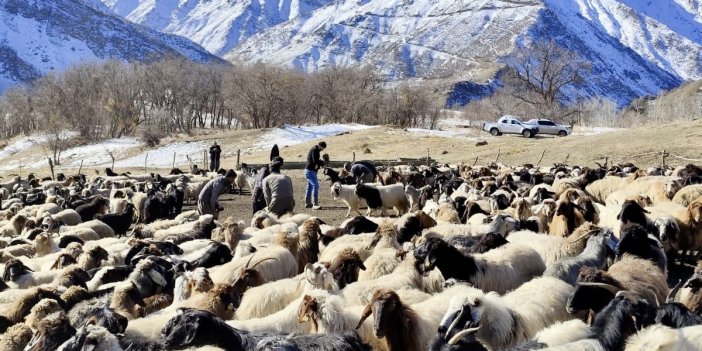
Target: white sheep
[(531, 307), (67, 217), (554, 248), (347, 194), (662, 338), (688, 194), (279, 264)]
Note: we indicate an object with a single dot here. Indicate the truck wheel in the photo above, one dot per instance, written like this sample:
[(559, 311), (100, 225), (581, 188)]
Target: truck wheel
[(494, 132), (562, 133), (526, 133)]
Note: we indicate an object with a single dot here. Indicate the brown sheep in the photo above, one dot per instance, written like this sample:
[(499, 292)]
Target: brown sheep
[(15, 338), (345, 267), (567, 217), (395, 323)]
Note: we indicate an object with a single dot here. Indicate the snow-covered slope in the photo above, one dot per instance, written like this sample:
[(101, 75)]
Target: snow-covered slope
[(638, 47), (39, 36)]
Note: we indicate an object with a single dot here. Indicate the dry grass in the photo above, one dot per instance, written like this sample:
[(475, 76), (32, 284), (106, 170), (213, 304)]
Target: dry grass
[(637, 145)]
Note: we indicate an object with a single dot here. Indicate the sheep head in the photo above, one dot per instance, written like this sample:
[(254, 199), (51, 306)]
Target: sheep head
[(672, 186), (389, 314), (14, 269), (309, 312), (319, 276), (223, 300), (594, 290), (192, 327), (464, 322), (633, 212), (428, 253), (73, 276), (694, 210), (345, 267), (249, 276)]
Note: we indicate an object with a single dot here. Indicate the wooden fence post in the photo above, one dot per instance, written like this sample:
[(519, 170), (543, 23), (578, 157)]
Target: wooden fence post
[(146, 158), (79, 168), (498, 155), (51, 166), (542, 157), (174, 157), (238, 157)]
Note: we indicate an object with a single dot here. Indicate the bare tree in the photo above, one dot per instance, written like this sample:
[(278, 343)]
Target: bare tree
[(541, 74)]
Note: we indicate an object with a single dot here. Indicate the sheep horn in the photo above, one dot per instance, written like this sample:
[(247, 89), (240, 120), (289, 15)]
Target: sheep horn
[(628, 295), (456, 338), (671, 295), (366, 313), (264, 260), (249, 261), (455, 321), (611, 288)]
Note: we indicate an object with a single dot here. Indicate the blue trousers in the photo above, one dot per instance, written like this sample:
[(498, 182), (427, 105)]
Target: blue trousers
[(312, 188)]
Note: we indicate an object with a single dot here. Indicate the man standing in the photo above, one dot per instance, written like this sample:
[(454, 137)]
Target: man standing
[(278, 190), (314, 163), (207, 200), (215, 151)]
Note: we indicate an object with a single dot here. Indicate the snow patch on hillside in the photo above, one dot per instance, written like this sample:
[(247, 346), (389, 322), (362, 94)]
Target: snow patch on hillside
[(162, 157), (288, 135)]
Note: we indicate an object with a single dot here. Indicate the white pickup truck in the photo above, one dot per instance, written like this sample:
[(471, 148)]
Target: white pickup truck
[(511, 125)]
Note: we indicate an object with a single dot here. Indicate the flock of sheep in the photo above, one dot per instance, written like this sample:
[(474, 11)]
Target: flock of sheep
[(471, 258)]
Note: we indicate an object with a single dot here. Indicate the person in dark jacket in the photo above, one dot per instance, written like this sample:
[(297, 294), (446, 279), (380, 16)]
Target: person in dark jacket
[(314, 163), (215, 152), (207, 201), (361, 173), (258, 201)]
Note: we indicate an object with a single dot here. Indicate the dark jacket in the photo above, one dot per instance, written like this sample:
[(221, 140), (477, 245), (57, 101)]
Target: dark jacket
[(215, 150), (369, 165), (314, 163)]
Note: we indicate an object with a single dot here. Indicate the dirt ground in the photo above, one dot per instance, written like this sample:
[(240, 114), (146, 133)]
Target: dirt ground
[(332, 212)]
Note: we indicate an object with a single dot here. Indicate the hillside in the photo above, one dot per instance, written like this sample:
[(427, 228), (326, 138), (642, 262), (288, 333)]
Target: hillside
[(38, 37), (451, 144), (637, 47)]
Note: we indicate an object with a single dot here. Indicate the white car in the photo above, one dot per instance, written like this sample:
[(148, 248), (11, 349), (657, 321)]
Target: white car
[(546, 126), (510, 125)]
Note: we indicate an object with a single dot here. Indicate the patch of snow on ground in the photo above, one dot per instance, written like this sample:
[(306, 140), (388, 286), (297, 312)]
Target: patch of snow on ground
[(595, 130), (447, 128), (288, 135), (97, 154), (25, 143), (162, 157)]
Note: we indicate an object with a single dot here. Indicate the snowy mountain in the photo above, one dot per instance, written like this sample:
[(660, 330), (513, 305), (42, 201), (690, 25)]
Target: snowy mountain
[(40, 36), (637, 47)]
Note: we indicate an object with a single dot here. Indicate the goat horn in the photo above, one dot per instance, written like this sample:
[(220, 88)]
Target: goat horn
[(671, 295), (456, 338), (264, 260), (628, 295), (249, 261), (455, 321), (611, 288), (366, 313)]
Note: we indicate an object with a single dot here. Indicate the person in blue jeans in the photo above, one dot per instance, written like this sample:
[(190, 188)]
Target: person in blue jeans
[(314, 163)]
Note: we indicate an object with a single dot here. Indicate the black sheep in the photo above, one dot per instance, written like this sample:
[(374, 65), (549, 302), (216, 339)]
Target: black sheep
[(215, 255), (120, 223), (635, 240), (448, 259), (359, 225), (632, 212), (676, 315), (192, 327), (478, 244), (154, 208), (67, 239), (97, 206), (371, 195)]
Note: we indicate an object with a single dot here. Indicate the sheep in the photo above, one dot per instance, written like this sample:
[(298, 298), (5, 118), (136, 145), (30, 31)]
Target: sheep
[(193, 328), (662, 338), (567, 217), (346, 267), (120, 222), (82, 233), (554, 248), (67, 217), (347, 194), (600, 189), (621, 318), (530, 307), (99, 205), (557, 334), (689, 221), (358, 225), (15, 338), (691, 293), (47, 210), (501, 224), (280, 263), (383, 197), (20, 276), (636, 241), (99, 227), (447, 214), (417, 197), (91, 337), (52, 332), (499, 270), (596, 288), (658, 189), (385, 236), (407, 327), (127, 301), (594, 255), (687, 194), (412, 224), (14, 227), (40, 311)]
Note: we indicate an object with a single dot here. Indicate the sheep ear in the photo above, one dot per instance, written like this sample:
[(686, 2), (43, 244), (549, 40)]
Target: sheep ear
[(366, 313)]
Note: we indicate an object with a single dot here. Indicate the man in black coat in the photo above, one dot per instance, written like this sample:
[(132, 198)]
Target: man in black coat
[(215, 151)]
